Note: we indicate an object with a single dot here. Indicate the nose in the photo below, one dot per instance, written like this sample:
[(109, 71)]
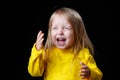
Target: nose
[(60, 31)]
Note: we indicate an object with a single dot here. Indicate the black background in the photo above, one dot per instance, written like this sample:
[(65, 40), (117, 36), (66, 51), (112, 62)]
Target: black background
[(21, 22)]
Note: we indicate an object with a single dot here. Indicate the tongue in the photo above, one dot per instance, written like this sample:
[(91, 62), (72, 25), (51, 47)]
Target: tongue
[(61, 43)]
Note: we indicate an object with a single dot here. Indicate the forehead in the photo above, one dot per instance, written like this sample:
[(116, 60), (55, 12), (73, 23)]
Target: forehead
[(60, 19), (59, 16)]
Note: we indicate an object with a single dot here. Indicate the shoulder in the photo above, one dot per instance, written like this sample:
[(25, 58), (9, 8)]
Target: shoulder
[(85, 53)]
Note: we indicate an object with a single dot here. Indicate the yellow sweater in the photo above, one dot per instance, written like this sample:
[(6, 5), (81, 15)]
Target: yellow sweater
[(61, 65)]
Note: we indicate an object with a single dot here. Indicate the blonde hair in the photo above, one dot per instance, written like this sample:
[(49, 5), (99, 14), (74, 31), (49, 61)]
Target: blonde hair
[(80, 35)]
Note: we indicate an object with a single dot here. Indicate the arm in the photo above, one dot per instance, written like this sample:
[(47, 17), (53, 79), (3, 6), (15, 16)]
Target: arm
[(96, 73), (36, 62), (89, 68)]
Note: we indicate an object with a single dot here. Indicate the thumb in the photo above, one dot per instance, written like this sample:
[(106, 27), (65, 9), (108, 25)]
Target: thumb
[(82, 63)]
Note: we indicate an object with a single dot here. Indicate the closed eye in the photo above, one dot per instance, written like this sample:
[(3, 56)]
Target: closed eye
[(54, 27), (68, 28)]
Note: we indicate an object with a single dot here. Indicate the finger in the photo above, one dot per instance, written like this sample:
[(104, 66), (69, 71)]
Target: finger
[(83, 66), (84, 71), (82, 63), (40, 32), (40, 36), (41, 41), (39, 44), (82, 75)]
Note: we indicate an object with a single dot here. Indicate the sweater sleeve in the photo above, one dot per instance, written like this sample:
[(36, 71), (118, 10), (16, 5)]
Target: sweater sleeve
[(96, 73), (89, 60), (36, 63)]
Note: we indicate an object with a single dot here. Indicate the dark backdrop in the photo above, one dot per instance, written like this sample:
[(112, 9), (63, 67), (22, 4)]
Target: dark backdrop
[(25, 19)]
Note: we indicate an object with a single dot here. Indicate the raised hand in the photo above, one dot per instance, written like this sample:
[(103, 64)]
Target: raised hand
[(39, 40), (84, 71)]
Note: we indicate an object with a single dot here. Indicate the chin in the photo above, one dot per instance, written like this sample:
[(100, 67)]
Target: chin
[(61, 47)]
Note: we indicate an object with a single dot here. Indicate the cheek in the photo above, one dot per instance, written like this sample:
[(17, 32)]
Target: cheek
[(71, 38), (71, 43), (53, 36)]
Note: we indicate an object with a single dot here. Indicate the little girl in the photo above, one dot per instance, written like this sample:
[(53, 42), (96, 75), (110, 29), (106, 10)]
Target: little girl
[(68, 51)]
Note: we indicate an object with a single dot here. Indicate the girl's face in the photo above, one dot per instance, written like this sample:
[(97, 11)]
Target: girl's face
[(62, 32)]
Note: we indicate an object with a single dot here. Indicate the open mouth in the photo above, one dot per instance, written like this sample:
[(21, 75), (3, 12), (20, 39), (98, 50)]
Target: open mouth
[(61, 41)]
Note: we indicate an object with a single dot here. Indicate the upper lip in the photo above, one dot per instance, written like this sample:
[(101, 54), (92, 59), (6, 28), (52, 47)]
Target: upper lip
[(61, 38)]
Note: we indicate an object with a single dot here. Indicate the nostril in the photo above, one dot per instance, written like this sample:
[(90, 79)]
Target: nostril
[(61, 32)]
